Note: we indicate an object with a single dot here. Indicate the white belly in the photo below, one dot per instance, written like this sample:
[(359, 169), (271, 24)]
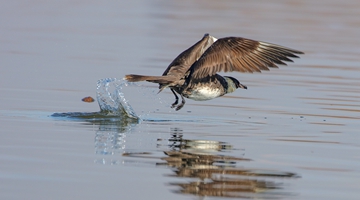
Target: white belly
[(204, 94)]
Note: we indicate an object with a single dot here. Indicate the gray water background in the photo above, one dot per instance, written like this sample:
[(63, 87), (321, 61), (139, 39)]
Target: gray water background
[(299, 123)]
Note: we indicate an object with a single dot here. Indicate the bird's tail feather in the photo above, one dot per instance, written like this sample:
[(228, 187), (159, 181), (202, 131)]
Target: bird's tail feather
[(153, 79)]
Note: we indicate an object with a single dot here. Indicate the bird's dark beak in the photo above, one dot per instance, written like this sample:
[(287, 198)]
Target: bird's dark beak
[(242, 86)]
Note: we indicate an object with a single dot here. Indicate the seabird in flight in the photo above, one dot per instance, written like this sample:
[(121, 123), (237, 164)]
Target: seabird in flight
[(193, 73)]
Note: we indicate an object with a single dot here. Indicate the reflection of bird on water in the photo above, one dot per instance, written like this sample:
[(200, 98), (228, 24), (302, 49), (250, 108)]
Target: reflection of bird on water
[(208, 173), (193, 74), (217, 174)]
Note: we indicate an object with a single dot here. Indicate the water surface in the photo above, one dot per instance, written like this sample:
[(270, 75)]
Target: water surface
[(294, 134)]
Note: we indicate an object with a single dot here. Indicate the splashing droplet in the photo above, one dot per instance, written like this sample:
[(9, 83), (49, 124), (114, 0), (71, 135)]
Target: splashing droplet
[(111, 99)]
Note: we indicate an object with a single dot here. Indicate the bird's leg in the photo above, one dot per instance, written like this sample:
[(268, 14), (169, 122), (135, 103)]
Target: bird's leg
[(182, 103), (176, 99)]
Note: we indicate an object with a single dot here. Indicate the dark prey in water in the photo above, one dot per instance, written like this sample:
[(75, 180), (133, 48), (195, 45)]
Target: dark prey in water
[(193, 73)]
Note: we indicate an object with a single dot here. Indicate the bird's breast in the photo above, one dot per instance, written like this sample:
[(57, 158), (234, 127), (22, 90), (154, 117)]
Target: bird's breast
[(203, 93)]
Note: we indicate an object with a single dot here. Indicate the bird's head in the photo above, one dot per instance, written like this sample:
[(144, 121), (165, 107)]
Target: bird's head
[(233, 84)]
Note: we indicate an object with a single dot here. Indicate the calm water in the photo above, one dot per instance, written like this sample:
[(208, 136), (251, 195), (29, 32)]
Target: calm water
[(294, 134)]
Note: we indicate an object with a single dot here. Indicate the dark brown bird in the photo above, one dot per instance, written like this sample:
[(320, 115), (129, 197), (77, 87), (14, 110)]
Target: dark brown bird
[(193, 74)]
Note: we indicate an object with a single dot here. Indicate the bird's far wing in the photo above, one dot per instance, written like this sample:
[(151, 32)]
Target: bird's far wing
[(242, 55), (183, 62)]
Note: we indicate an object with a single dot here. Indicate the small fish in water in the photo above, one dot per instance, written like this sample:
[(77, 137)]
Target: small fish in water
[(193, 74), (88, 99)]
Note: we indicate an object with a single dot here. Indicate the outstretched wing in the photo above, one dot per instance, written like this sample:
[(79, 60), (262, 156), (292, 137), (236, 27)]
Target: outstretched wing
[(183, 62), (242, 55)]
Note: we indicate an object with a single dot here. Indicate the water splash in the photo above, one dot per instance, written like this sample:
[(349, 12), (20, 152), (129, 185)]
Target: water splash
[(112, 103), (111, 99)]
